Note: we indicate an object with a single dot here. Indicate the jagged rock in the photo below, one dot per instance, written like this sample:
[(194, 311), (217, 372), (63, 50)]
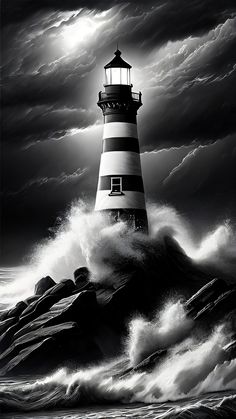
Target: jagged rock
[(48, 348), (7, 337), (80, 307), (30, 359), (217, 309), (207, 294), (151, 361), (3, 315), (42, 305), (17, 310), (43, 285), (60, 331), (230, 350), (144, 366), (118, 304), (50, 297), (32, 299), (35, 309), (66, 323), (81, 276), (5, 324)]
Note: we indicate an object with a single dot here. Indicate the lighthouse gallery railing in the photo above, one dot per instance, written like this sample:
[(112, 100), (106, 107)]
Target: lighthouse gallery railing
[(137, 97)]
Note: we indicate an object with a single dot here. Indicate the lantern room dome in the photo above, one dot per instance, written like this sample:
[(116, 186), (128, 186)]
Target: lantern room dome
[(117, 61), (117, 71)]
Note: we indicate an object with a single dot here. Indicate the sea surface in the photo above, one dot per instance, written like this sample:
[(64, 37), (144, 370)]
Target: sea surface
[(207, 406)]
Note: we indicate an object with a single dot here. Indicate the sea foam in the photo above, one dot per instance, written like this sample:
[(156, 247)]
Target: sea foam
[(86, 237)]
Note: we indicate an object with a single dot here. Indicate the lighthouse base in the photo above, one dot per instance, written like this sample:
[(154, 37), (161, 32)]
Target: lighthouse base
[(135, 218)]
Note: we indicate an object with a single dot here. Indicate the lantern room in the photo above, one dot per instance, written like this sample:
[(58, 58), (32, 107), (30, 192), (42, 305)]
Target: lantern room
[(117, 71)]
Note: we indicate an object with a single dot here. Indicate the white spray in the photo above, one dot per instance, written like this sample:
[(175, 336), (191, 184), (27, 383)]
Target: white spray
[(86, 238)]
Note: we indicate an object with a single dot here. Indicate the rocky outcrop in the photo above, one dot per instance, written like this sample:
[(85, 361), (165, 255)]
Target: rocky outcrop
[(218, 309), (207, 294), (81, 277), (146, 365), (34, 337), (29, 358), (212, 303), (80, 307), (5, 324), (64, 342), (43, 285), (15, 311), (47, 300), (230, 350), (74, 323)]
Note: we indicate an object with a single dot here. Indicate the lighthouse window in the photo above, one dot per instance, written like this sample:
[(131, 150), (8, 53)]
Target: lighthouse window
[(116, 186), (125, 76), (117, 75), (108, 76)]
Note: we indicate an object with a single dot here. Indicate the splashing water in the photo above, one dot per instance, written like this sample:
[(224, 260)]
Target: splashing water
[(167, 328), (193, 365), (210, 247), (86, 238)]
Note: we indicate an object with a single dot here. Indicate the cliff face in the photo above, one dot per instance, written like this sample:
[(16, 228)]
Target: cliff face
[(76, 323)]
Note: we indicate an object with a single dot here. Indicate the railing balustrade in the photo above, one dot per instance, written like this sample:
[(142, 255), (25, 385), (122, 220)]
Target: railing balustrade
[(137, 97)]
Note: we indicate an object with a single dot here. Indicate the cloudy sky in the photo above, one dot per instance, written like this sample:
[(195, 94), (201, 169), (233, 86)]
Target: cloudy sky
[(183, 54)]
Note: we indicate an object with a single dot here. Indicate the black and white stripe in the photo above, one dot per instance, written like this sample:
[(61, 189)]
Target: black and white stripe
[(120, 129), (120, 144), (120, 158), (120, 163), (120, 117), (129, 200)]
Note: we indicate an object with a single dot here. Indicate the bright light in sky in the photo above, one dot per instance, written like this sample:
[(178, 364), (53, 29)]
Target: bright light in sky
[(81, 31)]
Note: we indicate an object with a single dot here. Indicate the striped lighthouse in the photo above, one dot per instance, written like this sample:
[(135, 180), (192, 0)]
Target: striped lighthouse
[(120, 189)]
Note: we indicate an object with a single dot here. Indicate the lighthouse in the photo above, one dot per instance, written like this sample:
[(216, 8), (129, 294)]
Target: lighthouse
[(120, 191)]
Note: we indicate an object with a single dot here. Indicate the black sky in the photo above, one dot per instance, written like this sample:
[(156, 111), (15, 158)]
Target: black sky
[(183, 54)]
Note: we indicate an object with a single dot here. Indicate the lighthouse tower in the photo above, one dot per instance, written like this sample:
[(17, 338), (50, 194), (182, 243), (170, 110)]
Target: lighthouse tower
[(120, 189)]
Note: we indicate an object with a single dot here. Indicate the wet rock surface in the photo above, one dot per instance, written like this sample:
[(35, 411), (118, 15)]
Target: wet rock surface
[(74, 323), (43, 285)]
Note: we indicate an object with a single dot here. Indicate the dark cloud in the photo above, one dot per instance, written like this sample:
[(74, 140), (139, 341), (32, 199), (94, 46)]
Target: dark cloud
[(43, 79), (42, 123), (36, 192), (201, 184), (191, 98), (59, 87), (165, 20), (20, 10), (56, 181)]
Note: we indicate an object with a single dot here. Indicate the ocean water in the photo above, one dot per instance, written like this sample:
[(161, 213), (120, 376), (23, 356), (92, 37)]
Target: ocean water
[(194, 381), (207, 406), (211, 405)]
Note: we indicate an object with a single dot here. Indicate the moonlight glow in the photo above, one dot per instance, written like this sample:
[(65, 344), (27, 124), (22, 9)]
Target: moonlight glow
[(81, 31)]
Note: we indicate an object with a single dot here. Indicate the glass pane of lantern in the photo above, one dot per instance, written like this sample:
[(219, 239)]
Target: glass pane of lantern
[(108, 76), (124, 76), (115, 75)]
